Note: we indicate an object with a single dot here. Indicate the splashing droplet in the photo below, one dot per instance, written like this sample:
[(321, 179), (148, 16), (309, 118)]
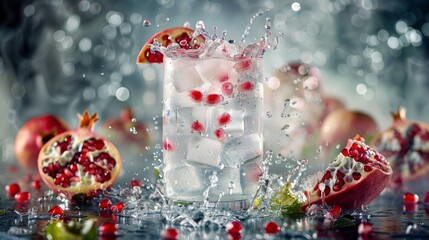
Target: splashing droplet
[(146, 23)]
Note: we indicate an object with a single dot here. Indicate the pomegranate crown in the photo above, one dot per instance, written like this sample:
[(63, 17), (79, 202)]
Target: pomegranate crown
[(86, 121)]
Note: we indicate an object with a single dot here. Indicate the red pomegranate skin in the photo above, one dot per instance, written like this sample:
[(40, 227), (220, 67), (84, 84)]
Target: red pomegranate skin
[(33, 135)]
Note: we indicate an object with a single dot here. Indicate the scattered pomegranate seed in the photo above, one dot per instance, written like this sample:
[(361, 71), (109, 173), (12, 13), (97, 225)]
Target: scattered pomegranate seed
[(108, 228), (233, 227), (168, 145), (56, 211), (12, 189), (118, 207), (234, 236), (426, 200), (220, 134), (213, 99), (410, 198), (272, 227), (135, 183), (196, 95), (246, 86), (407, 207), (365, 228), (336, 211), (227, 89), (224, 118), (22, 197), (197, 126), (105, 204), (169, 233), (36, 184)]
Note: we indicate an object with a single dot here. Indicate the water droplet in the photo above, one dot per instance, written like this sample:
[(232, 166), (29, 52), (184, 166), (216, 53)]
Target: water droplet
[(338, 146), (269, 114), (146, 23), (133, 130)]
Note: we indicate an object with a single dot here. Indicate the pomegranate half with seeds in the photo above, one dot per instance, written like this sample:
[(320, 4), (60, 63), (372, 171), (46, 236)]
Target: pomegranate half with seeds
[(405, 144), (79, 162), (354, 178)]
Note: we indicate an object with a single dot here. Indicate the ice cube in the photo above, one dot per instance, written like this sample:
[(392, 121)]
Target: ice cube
[(214, 70), (185, 77), (203, 152), (229, 182), (242, 149), (182, 180), (187, 116), (176, 157)]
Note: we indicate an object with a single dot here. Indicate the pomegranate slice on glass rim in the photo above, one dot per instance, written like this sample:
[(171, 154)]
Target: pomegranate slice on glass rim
[(79, 162), (356, 177)]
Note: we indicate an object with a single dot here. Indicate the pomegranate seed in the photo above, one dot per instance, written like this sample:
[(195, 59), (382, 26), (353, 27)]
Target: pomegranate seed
[(367, 168), (36, 184), (359, 138), (410, 198), (365, 229), (220, 134), (336, 211), (407, 207), (105, 204), (243, 66), (354, 153), (356, 176), (340, 174), (337, 187), (272, 228), (22, 197), (426, 201), (246, 86), (135, 183), (56, 211), (168, 145), (345, 152), (197, 127), (213, 99), (227, 89), (118, 207), (223, 78), (233, 227), (12, 189), (327, 175), (169, 233), (108, 228), (224, 118), (196, 95)]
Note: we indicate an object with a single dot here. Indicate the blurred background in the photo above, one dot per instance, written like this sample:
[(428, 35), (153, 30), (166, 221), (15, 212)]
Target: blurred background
[(65, 56)]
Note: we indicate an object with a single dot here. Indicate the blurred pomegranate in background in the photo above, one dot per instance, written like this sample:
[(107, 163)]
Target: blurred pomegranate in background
[(33, 135), (405, 144), (342, 124), (127, 131)]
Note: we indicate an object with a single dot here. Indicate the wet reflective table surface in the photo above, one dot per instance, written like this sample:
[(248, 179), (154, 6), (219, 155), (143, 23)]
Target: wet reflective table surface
[(143, 219)]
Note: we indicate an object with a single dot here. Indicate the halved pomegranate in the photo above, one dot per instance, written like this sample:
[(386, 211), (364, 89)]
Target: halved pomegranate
[(354, 178), (406, 146), (79, 161)]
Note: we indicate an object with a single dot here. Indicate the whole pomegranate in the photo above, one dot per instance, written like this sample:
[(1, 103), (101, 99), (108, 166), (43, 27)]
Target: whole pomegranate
[(329, 105), (33, 135), (343, 124), (406, 146), (355, 177), (127, 130), (79, 162)]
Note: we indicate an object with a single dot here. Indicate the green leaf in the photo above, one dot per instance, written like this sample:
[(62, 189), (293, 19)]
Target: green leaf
[(285, 201), (344, 222)]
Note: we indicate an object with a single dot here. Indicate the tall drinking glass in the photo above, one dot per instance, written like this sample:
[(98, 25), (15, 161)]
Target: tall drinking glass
[(212, 128)]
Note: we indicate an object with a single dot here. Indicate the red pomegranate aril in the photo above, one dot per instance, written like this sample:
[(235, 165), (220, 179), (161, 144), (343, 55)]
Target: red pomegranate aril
[(410, 198), (223, 119), (336, 211), (227, 89), (169, 233), (197, 127), (356, 176), (365, 228), (223, 78), (233, 227), (243, 66), (135, 183), (118, 207), (327, 175), (426, 200), (196, 95), (340, 174), (105, 204), (367, 168), (272, 228), (12, 189), (36, 184), (345, 152), (354, 153), (168, 145), (22, 197), (246, 86), (220, 134), (108, 228), (213, 99), (56, 211)]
